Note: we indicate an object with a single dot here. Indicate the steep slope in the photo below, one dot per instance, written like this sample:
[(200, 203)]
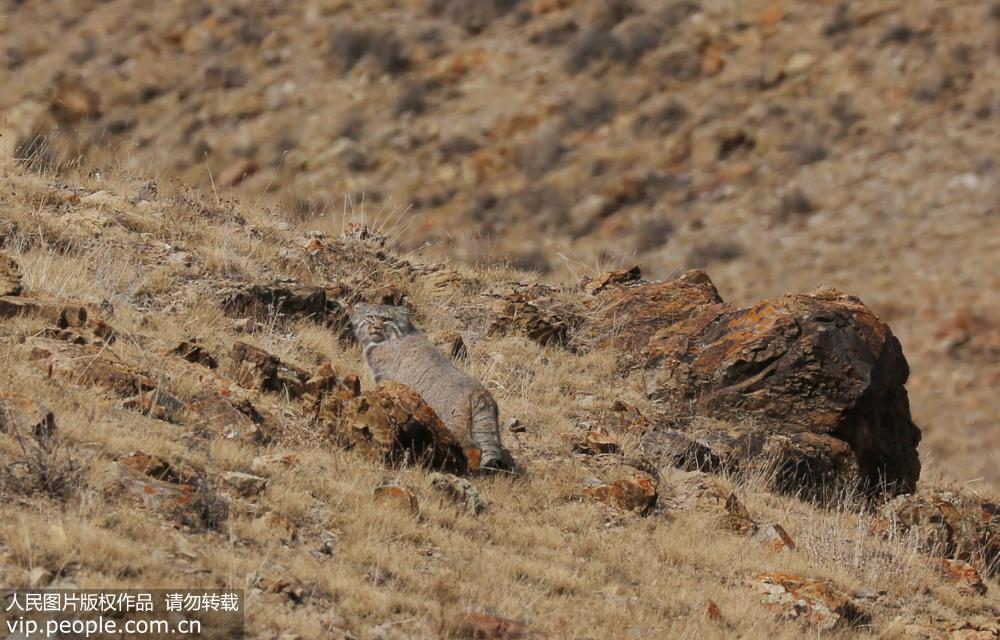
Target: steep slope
[(784, 144), (147, 321)]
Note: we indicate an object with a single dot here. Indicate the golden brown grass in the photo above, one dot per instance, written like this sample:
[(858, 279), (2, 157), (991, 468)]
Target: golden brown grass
[(541, 553)]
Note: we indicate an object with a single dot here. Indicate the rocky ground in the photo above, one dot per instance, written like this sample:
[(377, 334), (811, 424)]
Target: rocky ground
[(783, 144), (192, 194), (181, 406)]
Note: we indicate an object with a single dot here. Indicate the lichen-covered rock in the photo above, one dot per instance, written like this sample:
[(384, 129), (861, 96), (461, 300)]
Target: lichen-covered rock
[(532, 311), (948, 525), (254, 368), (392, 423), (627, 486), (813, 368), (814, 602), (819, 363)]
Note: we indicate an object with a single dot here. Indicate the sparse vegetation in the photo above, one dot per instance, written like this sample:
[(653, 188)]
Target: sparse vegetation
[(479, 160)]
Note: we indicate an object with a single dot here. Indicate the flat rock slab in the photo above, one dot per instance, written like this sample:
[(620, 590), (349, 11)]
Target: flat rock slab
[(87, 365), (273, 302), (60, 314)]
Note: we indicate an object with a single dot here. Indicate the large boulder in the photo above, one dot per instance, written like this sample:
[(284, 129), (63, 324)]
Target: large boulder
[(797, 379)]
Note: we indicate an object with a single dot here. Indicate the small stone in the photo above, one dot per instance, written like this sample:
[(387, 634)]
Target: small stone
[(799, 62), (459, 490), (963, 575), (595, 443), (485, 626), (514, 425), (244, 484), (272, 464), (774, 537), (398, 496)]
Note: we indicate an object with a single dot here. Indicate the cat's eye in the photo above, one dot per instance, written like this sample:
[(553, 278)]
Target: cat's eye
[(370, 318)]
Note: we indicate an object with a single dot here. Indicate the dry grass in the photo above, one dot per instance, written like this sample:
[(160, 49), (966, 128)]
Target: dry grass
[(540, 553)]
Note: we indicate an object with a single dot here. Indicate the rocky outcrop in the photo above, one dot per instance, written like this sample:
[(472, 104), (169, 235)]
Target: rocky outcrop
[(254, 368), (947, 524), (60, 314), (626, 485), (281, 302), (392, 423), (531, 311), (822, 378), (459, 492)]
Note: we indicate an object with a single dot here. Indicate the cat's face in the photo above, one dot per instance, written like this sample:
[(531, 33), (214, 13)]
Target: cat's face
[(376, 323)]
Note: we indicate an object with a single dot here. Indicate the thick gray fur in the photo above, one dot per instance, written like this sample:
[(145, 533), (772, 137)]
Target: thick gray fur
[(395, 350)]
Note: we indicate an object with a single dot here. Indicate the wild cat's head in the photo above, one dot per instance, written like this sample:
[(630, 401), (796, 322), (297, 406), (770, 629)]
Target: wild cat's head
[(377, 323)]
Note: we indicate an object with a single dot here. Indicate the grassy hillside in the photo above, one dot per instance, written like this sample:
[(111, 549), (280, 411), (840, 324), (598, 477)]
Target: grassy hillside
[(319, 553), (781, 144)]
